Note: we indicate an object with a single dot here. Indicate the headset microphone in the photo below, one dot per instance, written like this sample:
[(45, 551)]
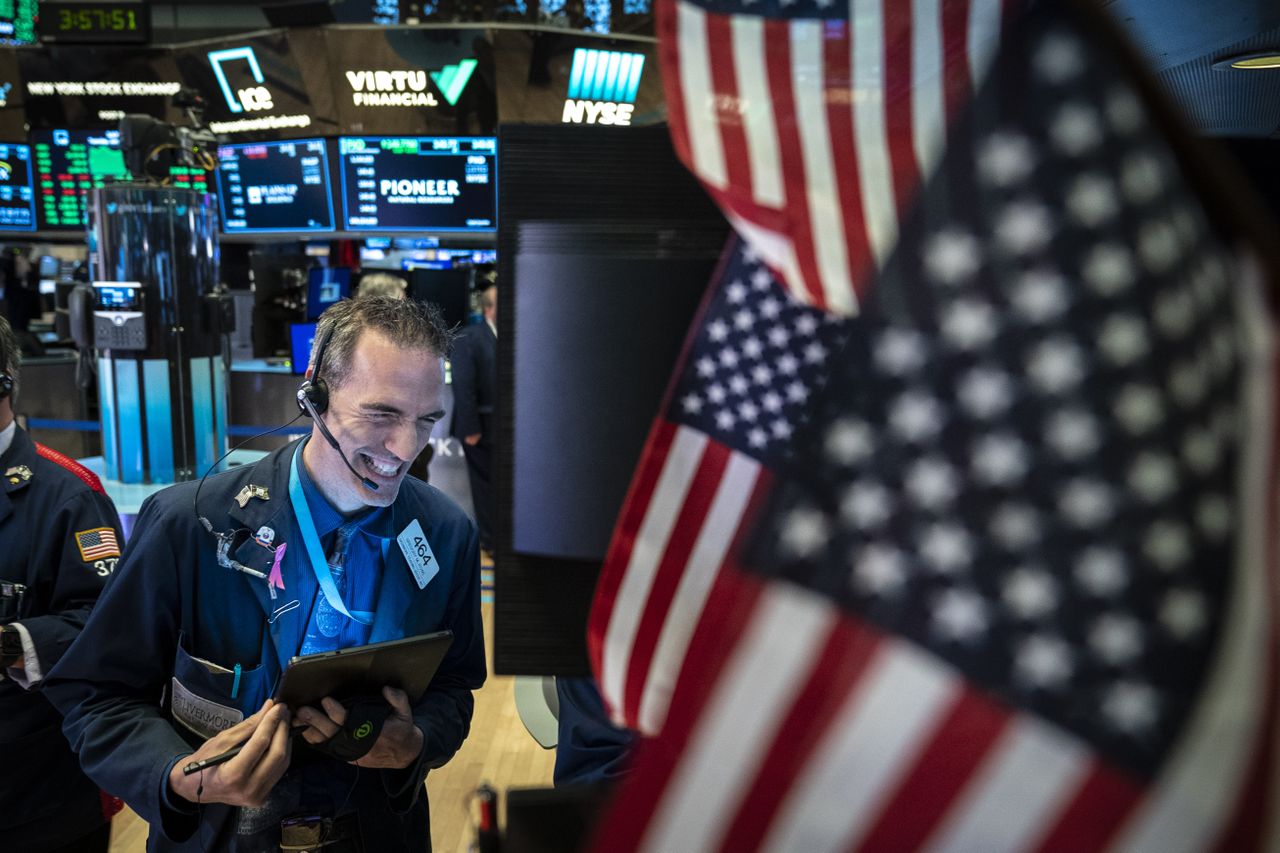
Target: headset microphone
[(305, 402)]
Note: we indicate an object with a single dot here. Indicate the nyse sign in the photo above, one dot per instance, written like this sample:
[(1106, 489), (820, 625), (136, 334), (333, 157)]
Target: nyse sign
[(602, 87)]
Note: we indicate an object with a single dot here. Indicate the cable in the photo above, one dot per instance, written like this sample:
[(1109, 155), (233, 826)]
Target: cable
[(195, 502)]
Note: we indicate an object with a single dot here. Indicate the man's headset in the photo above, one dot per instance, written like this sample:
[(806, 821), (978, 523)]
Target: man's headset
[(6, 385), (313, 401)]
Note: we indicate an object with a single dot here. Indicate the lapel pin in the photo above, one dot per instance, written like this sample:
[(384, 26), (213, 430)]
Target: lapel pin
[(251, 491), (18, 474)]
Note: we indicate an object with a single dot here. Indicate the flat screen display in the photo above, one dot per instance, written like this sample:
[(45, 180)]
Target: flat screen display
[(117, 297), (325, 286), (17, 200), (275, 186), (300, 337), (69, 163), (419, 183)]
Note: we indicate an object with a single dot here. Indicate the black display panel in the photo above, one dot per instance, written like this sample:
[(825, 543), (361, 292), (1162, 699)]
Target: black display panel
[(266, 187), (17, 201), (68, 163), (419, 183)]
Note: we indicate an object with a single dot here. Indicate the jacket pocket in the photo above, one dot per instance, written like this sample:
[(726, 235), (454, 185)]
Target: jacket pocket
[(208, 696)]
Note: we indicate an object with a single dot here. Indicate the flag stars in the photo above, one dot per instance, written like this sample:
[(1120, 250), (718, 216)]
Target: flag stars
[(1153, 476), (951, 256), (1123, 339), (931, 483), (866, 505), (985, 392), (1023, 227), (804, 533), (1159, 246), (736, 292), (1085, 502), (1141, 177), (1030, 593), (999, 460), (1072, 433), (1139, 408), (770, 307), (781, 429), (915, 416), (1043, 661), (1039, 296), (1108, 269), (1091, 200), (717, 330), (1058, 58), (1131, 707), (1055, 366), (1174, 314), (1102, 571), (725, 420), (848, 441), (752, 347), (1167, 545), (691, 403), (1201, 450), (1183, 614), (815, 353), (1016, 526), (1115, 638), (748, 411), (796, 392), (761, 375), (947, 548), (900, 351), (1006, 159), (1213, 516), (878, 570), (959, 616), (706, 367), (738, 384), (1188, 383), (771, 402), (757, 438), (968, 324), (1075, 130), (760, 279), (787, 363), (728, 358), (716, 393), (1124, 111), (806, 324), (742, 320)]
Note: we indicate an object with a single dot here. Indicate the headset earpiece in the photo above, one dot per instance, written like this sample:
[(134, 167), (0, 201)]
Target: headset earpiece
[(6, 385), (315, 390)]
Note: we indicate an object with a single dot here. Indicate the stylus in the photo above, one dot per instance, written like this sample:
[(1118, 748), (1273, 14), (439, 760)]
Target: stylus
[(223, 757)]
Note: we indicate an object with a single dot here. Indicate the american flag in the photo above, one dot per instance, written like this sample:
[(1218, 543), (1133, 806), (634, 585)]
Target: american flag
[(812, 122), (1019, 582), (97, 544), (756, 359), (766, 97)]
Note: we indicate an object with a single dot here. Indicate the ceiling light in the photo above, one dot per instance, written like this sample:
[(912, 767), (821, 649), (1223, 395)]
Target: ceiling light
[(1249, 61)]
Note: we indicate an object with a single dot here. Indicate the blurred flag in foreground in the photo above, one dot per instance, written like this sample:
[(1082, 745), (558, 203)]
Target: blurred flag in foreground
[(811, 123), (1016, 588)]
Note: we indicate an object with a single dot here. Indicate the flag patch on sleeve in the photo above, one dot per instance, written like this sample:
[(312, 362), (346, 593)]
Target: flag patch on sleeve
[(97, 543)]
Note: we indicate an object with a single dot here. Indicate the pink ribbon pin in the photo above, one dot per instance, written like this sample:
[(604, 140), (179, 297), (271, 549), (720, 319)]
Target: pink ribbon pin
[(275, 579)]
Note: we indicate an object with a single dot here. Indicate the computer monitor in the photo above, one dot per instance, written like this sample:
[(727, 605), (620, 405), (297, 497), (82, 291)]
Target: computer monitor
[(301, 336), (275, 187), (17, 189), (596, 293), (325, 286)]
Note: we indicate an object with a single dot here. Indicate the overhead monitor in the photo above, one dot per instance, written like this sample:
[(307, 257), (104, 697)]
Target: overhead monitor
[(419, 183), (17, 200), (268, 187), (326, 286), (69, 163)]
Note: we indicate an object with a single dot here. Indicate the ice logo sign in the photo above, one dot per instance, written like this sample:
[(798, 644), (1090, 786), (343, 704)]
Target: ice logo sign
[(602, 87), (250, 98)]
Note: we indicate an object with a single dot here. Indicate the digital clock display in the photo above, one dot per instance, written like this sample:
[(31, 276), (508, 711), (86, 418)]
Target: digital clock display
[(87, 21)]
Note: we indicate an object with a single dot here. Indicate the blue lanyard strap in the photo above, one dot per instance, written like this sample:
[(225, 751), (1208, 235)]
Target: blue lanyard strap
[(311, 539)]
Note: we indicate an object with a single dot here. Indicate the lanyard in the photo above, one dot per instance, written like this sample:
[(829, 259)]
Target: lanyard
[(302, 512)]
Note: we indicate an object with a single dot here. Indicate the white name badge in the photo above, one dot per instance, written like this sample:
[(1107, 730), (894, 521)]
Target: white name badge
[(203, 716), (418, 554)]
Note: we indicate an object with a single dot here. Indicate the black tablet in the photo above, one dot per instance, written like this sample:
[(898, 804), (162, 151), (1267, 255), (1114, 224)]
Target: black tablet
[(408, 664)]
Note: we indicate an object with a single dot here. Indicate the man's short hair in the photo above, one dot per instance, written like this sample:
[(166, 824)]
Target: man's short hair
[(380, 284), (489, 296), (10, 350), (408, 324)]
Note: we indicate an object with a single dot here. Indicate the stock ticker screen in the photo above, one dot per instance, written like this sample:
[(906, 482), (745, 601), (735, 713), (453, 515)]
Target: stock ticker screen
[(68, 163), (422, 183), (275, 186), (17, 202)]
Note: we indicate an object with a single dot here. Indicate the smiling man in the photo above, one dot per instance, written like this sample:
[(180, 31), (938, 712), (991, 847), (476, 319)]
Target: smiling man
[(324, 544)]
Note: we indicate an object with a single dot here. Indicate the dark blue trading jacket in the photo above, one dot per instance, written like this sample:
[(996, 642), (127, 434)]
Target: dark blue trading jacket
[(45, 800), (172, 610)]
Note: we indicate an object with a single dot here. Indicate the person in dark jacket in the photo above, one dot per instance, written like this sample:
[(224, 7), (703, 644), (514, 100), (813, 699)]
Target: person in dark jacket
[(475, 382), (59, 542), (180, 659)]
